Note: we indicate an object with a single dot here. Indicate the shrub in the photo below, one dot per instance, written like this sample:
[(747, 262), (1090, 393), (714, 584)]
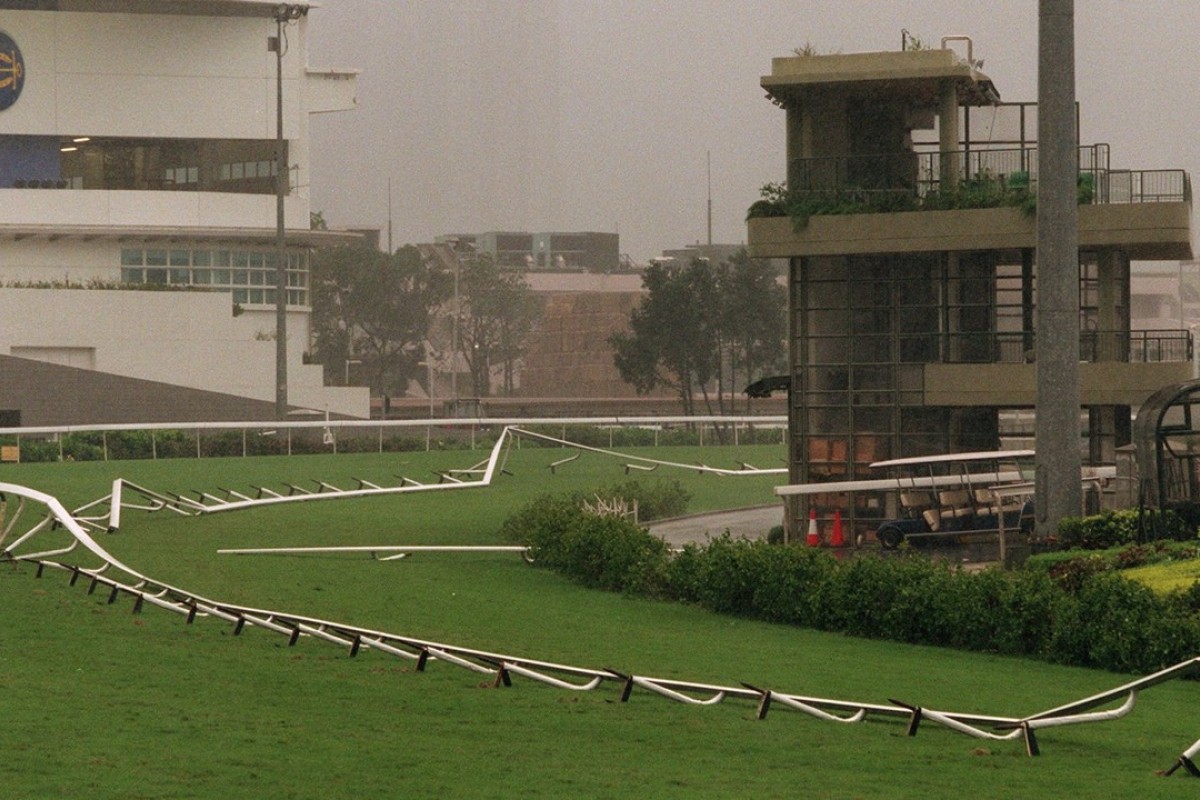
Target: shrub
[(1113, 528), (600, 552), (1071, 609)]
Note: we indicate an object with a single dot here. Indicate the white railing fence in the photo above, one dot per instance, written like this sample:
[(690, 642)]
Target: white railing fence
[(217, 439)]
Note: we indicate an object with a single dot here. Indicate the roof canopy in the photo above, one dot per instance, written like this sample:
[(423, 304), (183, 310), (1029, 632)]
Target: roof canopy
[(201, 8), (918, 74)]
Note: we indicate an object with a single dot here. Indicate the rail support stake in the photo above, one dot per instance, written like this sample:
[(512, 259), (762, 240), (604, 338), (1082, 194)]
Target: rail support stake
[(1187, 761)]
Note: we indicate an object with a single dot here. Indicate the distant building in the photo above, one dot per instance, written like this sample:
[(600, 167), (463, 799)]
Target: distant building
[(137, 151), (715, 253), (556, 251)]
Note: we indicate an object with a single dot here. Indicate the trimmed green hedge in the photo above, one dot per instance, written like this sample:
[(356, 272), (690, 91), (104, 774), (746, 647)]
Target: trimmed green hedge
[(1113, 528), (1085, 616)]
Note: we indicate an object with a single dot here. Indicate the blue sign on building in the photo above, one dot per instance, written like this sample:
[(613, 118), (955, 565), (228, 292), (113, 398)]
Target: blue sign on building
[(12, 71)]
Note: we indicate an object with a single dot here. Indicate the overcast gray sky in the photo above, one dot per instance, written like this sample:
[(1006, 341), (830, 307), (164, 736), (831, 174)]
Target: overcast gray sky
[(600, 114)]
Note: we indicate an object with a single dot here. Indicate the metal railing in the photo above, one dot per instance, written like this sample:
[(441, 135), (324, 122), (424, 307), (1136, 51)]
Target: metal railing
[(985, 177), (1139, 347), (251, 438)]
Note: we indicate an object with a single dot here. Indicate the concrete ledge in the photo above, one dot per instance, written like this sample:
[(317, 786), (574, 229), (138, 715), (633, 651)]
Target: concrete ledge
[(1106, 383), (1154, 231)]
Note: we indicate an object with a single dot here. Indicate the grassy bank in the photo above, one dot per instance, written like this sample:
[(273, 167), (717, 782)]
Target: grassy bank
[(105, 703)]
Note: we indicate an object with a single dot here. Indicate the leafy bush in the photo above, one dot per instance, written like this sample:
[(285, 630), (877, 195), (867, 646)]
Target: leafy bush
[(600, 552), (1113, 528), (1069, 608)]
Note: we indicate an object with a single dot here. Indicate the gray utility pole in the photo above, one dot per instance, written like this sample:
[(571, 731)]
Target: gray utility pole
[(1057, 492), (284, 13)]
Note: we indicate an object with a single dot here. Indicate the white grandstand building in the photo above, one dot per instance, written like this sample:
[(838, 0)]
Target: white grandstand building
[(137, 151)]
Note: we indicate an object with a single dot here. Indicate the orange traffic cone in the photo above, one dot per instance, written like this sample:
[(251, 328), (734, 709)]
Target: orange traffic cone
[(814, 538), (838, 539)]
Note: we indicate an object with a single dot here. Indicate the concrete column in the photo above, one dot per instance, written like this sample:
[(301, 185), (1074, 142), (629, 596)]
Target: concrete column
[(1109, 347), (1057, 433), (948, 135)]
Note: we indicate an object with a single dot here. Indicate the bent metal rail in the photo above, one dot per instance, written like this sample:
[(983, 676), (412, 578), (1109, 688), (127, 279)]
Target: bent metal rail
[(475, 477), (120, 579)]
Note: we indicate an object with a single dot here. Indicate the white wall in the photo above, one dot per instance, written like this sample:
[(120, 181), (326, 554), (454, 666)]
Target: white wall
[(150, 75), (171, 76), (183, 338)]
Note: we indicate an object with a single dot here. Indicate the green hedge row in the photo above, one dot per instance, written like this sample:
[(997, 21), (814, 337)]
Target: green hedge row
[(1114, 528), (1094, 619)]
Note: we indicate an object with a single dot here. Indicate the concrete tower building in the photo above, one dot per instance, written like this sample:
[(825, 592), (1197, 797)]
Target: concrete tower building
[(909, 231)]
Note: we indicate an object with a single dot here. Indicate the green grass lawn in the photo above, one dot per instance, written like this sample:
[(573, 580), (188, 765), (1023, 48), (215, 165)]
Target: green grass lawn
[(100, 702)]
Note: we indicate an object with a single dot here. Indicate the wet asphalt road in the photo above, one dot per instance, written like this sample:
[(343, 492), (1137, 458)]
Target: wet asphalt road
[(743, 523), (754, 523)]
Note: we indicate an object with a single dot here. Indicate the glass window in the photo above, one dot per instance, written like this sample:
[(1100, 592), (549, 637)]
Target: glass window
[(832, 350), (269, 296), (297, 298), (156, 276), (871, 320), (829, 420), (826, 295), (872, 349), (220, 258), (828, 322), (201, 258), (918, 320), (241, 258), (180, 277), (919, 349), (872, 378), (256, 296), (180, 258), (237, 171), (220, 277), (877, 420), (257, 277), (240, 295), (255, 259), (132, 275), (156, 258), (201, 277), (131, 257)]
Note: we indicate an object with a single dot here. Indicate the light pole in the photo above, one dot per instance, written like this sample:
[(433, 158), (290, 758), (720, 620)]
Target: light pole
[(283, 13), (428, 364)]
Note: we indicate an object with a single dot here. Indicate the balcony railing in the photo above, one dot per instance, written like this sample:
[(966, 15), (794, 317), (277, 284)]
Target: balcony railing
[(987, 177), (1139, 347)]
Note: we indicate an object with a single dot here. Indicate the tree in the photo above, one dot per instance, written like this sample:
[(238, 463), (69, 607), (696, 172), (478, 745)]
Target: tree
[(703, 327), (753, 320), (497, 312), (375, 308), (672, 341)]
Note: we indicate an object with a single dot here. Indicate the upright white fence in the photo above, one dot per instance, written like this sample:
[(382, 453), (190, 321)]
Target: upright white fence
[(204, 439)]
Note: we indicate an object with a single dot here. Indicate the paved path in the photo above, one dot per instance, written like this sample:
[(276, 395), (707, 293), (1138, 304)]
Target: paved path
[(742, 523)]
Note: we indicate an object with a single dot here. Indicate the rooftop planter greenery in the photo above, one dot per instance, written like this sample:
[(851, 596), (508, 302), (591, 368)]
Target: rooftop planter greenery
[(981, 191)]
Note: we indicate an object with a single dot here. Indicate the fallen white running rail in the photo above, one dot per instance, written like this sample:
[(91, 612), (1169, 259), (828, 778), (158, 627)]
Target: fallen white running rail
[(478, 476), (503, 666)]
